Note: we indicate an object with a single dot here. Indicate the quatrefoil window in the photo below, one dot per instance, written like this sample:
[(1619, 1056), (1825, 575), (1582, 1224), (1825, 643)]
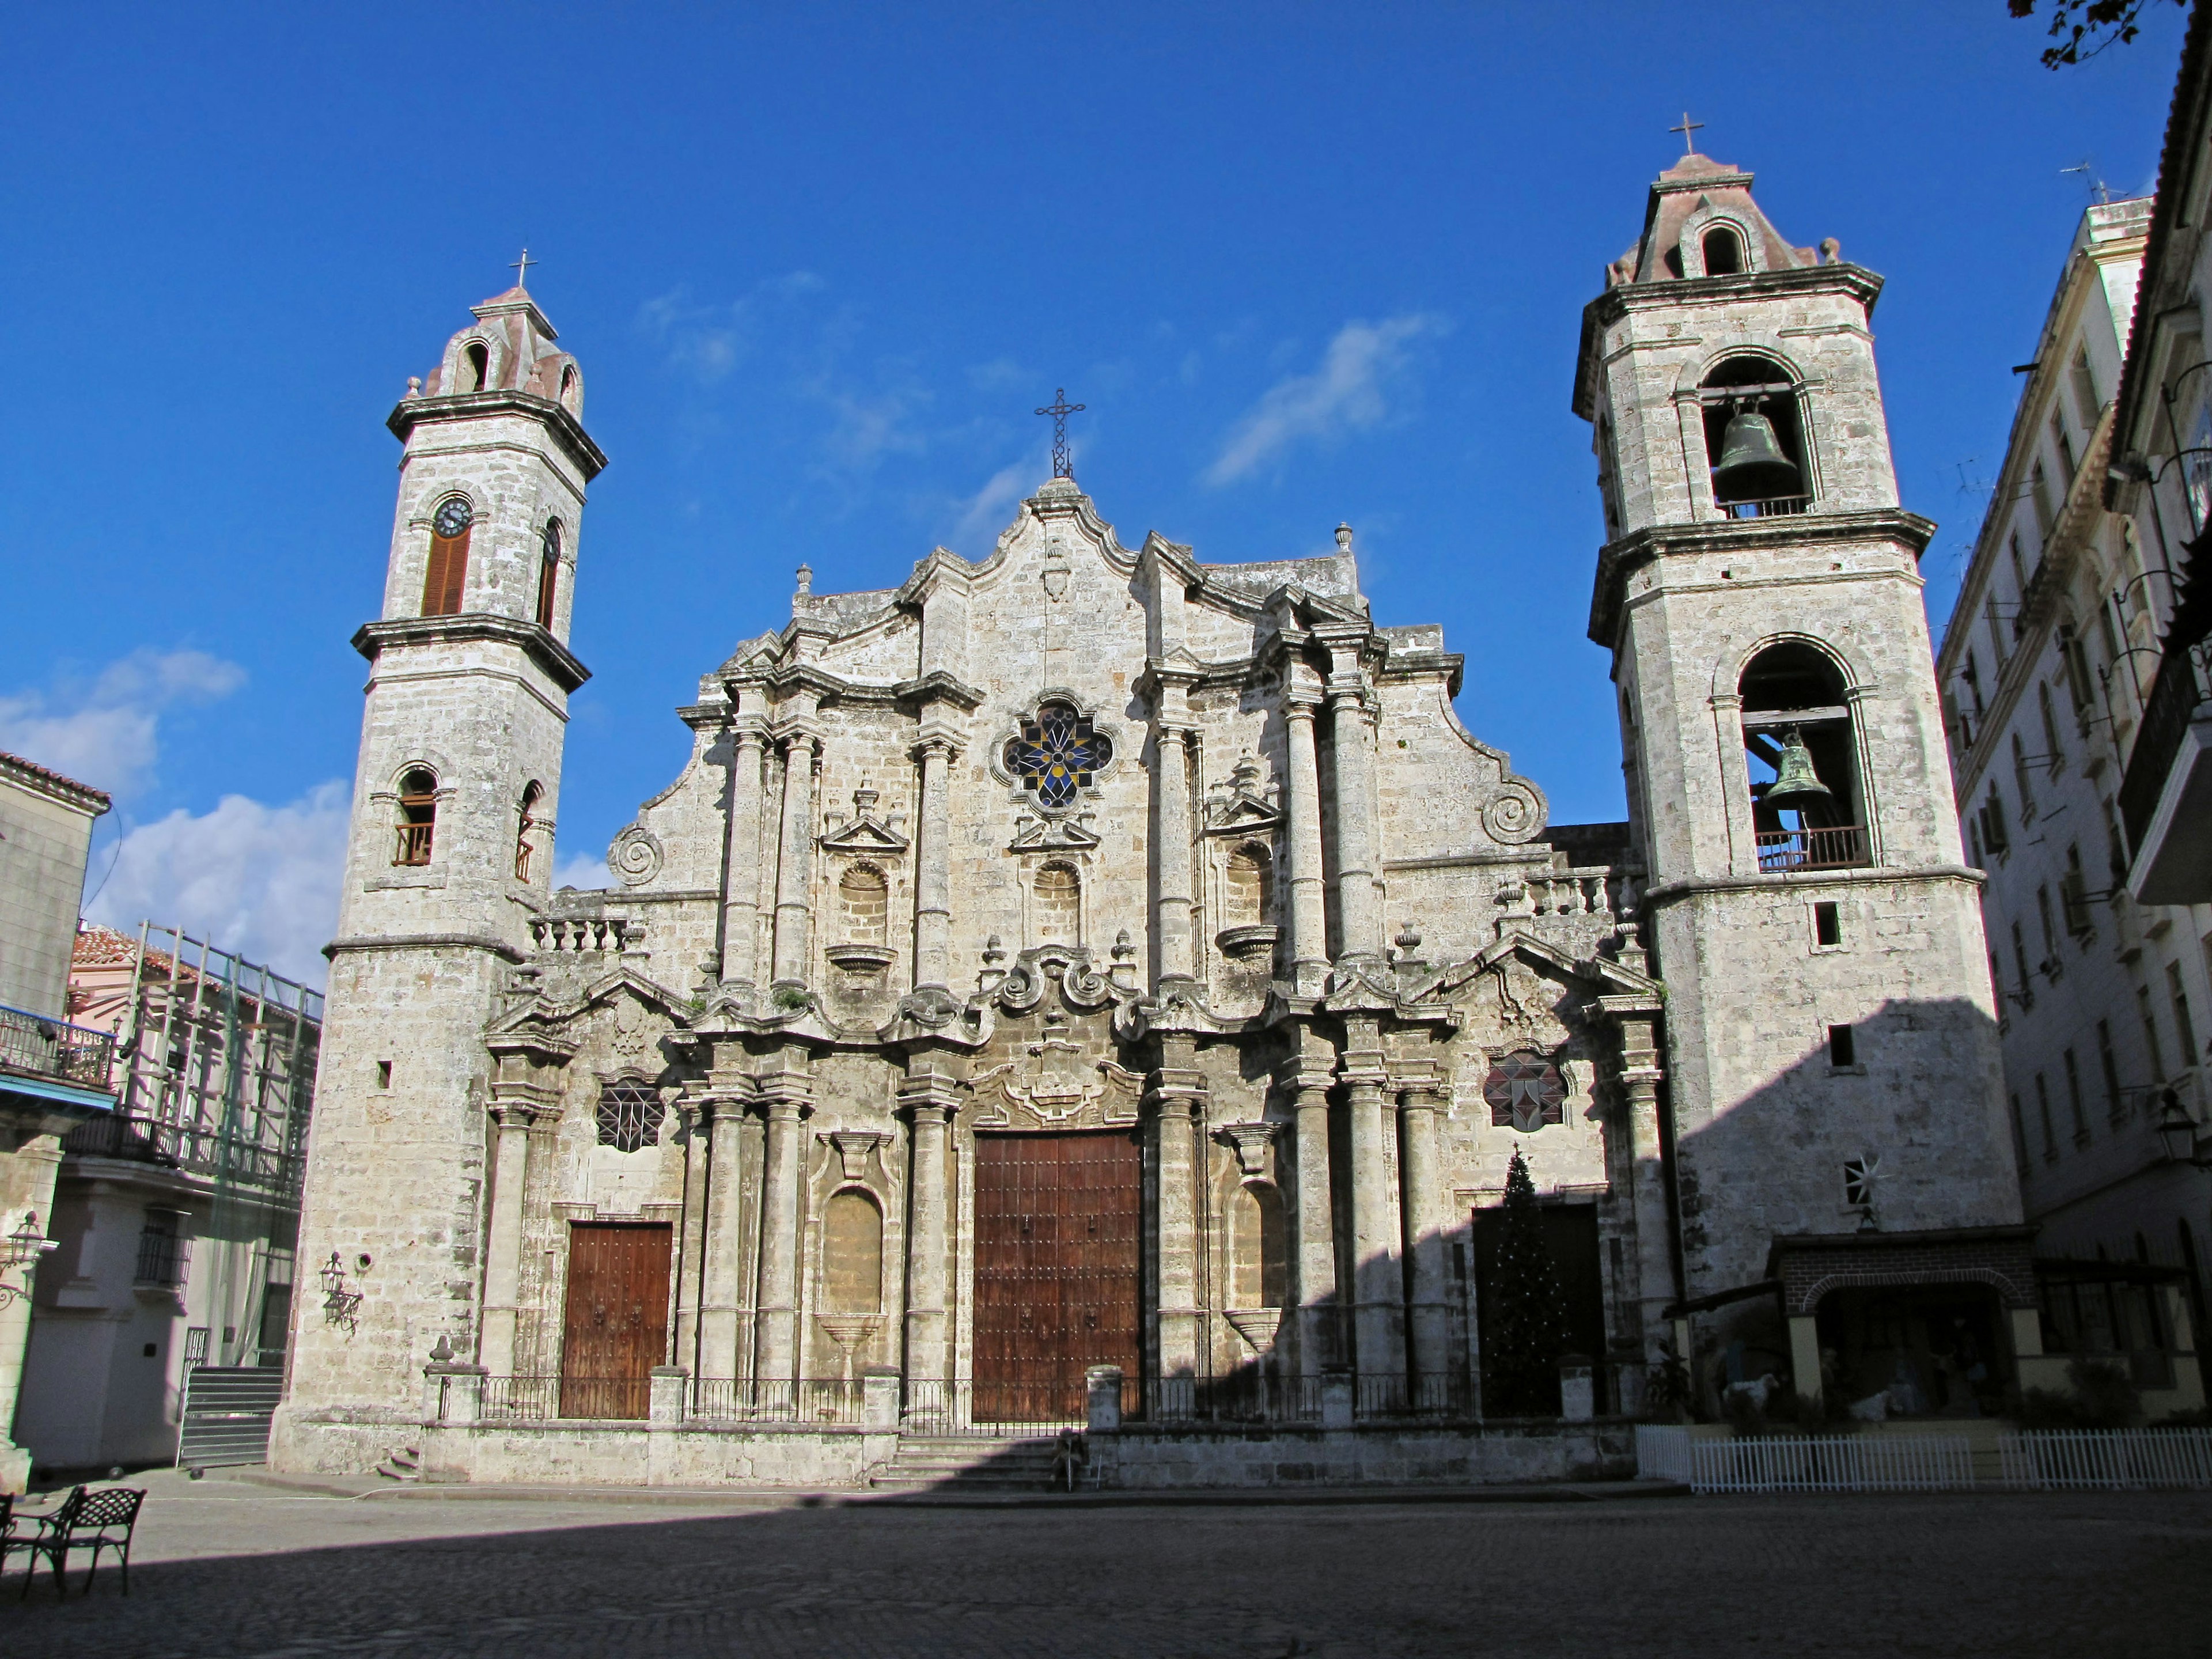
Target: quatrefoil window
[(1057, 754)]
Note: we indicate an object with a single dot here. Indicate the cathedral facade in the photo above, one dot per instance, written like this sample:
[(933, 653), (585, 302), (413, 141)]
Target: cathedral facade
[(1097, 963)]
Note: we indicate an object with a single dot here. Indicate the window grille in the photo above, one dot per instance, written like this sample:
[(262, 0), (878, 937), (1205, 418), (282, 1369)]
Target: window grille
[(162, 1255), (629, 1117)]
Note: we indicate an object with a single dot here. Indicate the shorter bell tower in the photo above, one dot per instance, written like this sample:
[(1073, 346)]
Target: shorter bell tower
[(1830, 1034), (450, 856)]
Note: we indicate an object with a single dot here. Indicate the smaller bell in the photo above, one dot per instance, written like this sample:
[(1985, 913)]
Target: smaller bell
[(1796, 785), (1752, 467)]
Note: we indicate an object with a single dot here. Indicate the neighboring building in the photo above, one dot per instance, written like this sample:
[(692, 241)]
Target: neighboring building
[(2161, 474), (53, 1075), (175, 1218), (2104, 999), (1093, 957)]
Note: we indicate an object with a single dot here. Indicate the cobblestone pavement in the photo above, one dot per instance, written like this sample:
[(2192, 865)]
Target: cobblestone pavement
[(225, 1567)]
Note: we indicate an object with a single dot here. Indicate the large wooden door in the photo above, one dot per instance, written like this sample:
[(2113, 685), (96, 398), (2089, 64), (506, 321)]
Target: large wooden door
[(1057, 1255), (617, 1317)]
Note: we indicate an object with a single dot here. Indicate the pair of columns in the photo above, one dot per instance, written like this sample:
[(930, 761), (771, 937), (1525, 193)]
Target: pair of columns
[(1391, 1224), (1351, 765)]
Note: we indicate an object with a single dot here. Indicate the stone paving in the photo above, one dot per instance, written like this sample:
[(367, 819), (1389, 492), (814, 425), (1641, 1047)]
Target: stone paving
[(230, 1568)]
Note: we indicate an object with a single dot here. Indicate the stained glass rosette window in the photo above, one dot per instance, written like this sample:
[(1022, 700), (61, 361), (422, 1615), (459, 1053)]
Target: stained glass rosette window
[(1056, 755)]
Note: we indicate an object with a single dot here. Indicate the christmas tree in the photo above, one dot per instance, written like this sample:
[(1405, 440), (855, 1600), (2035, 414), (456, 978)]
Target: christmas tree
[(1522, 1331)]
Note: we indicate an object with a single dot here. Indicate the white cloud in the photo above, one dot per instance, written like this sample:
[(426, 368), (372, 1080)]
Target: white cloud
[(1345, 393), (708, 341), (583, 870), (260, 880), (985, 512), (106, 733)]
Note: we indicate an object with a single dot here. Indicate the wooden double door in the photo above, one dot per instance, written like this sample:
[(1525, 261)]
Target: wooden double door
[(617, 1326), (1058, 1240)]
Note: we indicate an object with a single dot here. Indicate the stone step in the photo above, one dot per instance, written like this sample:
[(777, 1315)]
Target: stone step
[(939, 1461), (405, 1464)]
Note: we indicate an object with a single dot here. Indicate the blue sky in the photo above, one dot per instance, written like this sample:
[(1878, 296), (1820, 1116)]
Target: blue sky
[(1302, 262)]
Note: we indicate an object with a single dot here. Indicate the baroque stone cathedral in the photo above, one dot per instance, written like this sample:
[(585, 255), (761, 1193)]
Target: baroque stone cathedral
[(1097, 955)]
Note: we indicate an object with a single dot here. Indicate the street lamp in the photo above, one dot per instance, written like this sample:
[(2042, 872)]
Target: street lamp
[(2176, 1134), (22, 1248)]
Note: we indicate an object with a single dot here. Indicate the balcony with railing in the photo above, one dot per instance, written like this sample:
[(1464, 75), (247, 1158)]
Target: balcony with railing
[(1770, 507), (1783, 851), (264, 1163), (2167, 778), (40, 1046)]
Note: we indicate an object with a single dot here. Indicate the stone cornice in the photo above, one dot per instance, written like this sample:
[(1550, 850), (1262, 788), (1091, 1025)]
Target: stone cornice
[(558, 664), (937, 686), (412, 412), (498, 947), (1861, 875), (1616, 559)]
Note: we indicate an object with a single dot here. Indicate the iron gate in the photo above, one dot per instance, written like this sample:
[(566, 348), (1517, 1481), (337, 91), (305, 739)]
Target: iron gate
[(226, 1414)]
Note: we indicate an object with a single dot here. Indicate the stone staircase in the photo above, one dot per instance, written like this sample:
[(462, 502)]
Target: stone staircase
[(404, 1464), (948, 1462)]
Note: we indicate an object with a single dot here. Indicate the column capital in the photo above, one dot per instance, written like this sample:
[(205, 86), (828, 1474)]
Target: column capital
[(791, 739), (943, 745), (750, 731), (1301, 704), (516, 1112)]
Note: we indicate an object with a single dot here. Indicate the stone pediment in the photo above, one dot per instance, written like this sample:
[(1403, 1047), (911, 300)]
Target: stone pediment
[(1052, 836), (1240, 806), (864, 836), (542, 1011), (1601, 974)]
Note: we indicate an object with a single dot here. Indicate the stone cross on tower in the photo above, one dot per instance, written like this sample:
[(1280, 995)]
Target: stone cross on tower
[(1687, 127), (1059, 409), (522, 269)]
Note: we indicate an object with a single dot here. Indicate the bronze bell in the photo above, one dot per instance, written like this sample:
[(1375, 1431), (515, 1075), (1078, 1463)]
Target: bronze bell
[(1752, 467), (1796, 785)]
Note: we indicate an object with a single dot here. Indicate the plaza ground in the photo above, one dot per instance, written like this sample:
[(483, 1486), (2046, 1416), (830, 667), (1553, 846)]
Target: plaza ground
[(235, 1568)]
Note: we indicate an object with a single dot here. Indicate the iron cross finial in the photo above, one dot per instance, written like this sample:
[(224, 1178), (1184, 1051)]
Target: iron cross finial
[(522, 266), (1687, 127), (1059, 409)]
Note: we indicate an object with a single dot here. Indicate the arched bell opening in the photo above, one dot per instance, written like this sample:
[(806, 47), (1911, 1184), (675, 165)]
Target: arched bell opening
[(1755, 438), (1802, 755), (1724, 251)]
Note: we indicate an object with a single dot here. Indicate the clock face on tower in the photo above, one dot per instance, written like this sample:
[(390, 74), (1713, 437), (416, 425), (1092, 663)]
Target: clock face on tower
[(452, 518)]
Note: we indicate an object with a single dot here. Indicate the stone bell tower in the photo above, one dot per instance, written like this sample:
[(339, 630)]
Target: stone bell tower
[(1831, 1040), (452, 846)]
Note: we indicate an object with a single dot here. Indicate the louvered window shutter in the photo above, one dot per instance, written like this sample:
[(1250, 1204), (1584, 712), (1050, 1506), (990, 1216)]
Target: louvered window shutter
[(448, 571)]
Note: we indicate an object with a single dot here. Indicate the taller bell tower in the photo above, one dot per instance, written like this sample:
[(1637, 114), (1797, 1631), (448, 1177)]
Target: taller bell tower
[(1832, 1054), (451, 851)]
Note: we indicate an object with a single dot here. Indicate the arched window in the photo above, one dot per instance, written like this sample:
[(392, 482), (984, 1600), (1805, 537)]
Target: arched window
[(418, 817), (1059, 910), (548, 571), (1258, 1266), (1724, 253), (852, 1254), (1754, 438), (864, 904), (1803, 761), (531, 795), (476, 371), (629, 1115), (447, 571), (1249, 888), (569, 388)]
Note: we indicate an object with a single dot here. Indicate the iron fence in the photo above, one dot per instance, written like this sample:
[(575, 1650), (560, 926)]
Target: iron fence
[(2107, 1460), (962, 1406), (1840, 848), (1242, 1397), (54, 1047), (527, 1398), (833, 1401), (1797, 1462)]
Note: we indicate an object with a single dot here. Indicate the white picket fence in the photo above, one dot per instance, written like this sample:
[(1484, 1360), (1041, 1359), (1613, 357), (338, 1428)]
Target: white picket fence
[(2108, 1460), (2079, 1461)]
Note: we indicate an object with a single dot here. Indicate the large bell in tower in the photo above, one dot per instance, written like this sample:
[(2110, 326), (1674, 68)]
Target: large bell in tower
[(1796, 786), (1752, 467)]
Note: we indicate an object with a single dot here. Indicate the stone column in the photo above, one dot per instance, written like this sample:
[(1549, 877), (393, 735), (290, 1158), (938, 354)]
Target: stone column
[(794, 867), (1378, 1282), (722, 1278), (691, 1233), (1301, 843), (741, 862), (932, 864), (1319, 1329), (1653, 1263), (1429, 1324), (1359, 910), (503, 1243), (776, 1350), (1174, 956), (1177, 1099), (929, 1266)]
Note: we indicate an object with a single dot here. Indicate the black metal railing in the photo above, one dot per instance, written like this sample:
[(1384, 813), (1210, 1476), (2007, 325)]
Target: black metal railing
[(959, 1405), (544, 1398), (1771, 506), (46, 1046), (1840, 848), (1242, 1397), (833, 1401), (185, 1146), (2174, 697)]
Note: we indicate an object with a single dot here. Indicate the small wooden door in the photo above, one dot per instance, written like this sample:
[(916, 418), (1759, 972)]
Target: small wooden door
[(1057, 1224), (617, 1329)]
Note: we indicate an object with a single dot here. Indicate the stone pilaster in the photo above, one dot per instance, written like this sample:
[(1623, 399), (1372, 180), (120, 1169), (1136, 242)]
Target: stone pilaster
[(930, 1098), (786, 1095), (1359, 909), (1174, 903), (503, 1243), (1302, 842), (1319, 1335), (1641, 1075), (795, 868), (721, 1296), (1177, 1100), (691, 1232), (1378, 1280), (741, 861), (933, 859), (1421, 1097)]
